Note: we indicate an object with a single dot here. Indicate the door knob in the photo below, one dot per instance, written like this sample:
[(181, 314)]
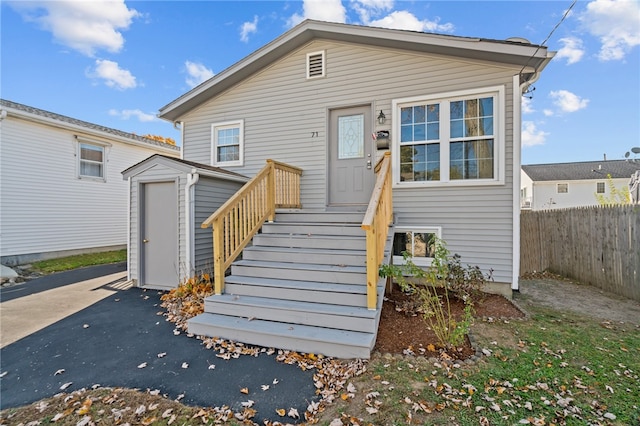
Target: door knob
[(145, 241)]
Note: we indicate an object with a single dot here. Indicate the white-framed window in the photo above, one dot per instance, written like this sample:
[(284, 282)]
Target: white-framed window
[(315, 64), (227, 141), (91, 161), (453, 138), (419, 242), (562, 188), (600, 188)]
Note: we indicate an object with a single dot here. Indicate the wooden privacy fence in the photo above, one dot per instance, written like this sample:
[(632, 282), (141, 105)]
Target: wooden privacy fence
[(599, 246), (235, 223), (376, 223)]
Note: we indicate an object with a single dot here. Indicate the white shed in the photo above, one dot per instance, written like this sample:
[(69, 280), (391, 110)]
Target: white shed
[(169, 199)]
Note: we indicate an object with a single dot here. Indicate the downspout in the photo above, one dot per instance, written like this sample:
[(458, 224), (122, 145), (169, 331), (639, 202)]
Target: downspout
[(180, 124), (129, 230), (189, 217), (518, 91)]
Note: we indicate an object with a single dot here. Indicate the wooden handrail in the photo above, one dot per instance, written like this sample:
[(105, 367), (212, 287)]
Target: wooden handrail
[(378, 217), (235, 223)]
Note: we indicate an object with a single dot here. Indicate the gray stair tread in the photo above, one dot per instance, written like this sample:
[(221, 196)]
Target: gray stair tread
[(309, 250), (285, 235), (301, 332), (291, 305), (302, 266), (299, 285)]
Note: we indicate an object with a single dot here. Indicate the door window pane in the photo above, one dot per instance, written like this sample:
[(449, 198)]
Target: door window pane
[(351, 136)]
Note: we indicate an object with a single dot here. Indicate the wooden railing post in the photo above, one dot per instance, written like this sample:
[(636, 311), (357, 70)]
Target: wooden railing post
[(376, 223), (218, 256), (271, 190)]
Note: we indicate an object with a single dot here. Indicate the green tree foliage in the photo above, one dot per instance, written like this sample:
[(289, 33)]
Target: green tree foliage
[(615, 196)]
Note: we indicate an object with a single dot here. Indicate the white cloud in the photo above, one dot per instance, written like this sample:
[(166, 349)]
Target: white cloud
[(531, 135), (368, 8), (572, 50), (248, 28), (113, 75), (616, 23), (547, 112), (567, 101), (197, 73), (126, 114), (85, 26), (321, 10), (527, 105), (403, 20)]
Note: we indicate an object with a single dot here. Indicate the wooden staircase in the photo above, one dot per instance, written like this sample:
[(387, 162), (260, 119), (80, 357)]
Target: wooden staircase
[(301, 286)]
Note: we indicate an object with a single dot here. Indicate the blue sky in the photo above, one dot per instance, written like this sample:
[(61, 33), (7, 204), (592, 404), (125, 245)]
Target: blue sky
[(117, 63)]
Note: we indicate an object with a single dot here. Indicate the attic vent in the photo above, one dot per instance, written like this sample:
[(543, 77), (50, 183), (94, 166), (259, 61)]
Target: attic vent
[(315, 64)]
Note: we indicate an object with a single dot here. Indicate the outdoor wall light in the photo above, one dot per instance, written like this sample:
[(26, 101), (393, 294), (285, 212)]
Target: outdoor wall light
[(381, 117)]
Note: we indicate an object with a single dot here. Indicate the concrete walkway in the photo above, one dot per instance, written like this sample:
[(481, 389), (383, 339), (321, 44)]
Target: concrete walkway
[(25, 315)]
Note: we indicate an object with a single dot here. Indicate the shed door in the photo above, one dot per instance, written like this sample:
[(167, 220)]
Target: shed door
[(159, 236), (351, 177)]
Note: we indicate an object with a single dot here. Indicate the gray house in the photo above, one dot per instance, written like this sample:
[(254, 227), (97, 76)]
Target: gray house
[(377, 135)]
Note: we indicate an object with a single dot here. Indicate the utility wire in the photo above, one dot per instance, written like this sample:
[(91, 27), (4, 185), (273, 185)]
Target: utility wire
[(566, 13)]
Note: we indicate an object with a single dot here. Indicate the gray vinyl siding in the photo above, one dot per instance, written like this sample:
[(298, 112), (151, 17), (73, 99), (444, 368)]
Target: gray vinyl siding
[(210, 194), (157, 173), (46, 208), (281, 109)]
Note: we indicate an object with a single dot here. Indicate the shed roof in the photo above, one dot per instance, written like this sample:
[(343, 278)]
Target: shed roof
[(184, 166), (586, 170), (26, 111), (515, 52)]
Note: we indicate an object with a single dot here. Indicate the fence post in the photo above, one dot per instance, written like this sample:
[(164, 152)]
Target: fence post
[(271, 190), (218, 256)]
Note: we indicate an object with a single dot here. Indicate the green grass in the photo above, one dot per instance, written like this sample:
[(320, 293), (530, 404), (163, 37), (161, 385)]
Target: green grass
[(79, 261), (551, 369)]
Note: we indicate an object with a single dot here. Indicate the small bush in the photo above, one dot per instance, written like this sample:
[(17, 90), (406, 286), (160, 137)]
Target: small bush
[(431, 288)]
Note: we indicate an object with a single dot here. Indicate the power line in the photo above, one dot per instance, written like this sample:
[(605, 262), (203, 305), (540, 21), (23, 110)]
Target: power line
[(564, 16)]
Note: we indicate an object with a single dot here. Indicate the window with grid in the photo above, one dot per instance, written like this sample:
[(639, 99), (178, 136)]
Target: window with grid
[(600, 188), (228, 143), (452, 138)]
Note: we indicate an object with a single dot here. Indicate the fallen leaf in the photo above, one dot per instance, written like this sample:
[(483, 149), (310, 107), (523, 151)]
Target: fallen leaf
[(293, 413), (244, 391), (247, 404), (371, 410), (275, 381), (281, 411), (143, 365), (265, 387), (140, 410), (66, 385), (60, 371), (185, 365), (148, 421), (86, 406), (212, 366), (162, 354), (167, 413)]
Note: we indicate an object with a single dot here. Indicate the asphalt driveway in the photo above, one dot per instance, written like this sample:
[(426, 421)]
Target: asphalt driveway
[(109, 341)]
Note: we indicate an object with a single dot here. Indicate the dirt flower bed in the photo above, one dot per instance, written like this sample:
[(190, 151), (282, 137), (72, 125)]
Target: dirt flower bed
[(403, 330)]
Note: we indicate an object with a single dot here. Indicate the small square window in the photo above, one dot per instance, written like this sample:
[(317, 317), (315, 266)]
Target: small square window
[(562, 188), (91, 161), (600, 188)]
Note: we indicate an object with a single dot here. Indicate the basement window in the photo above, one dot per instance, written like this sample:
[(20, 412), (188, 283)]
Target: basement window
[(417, 242), (315, 65), (562, 188)]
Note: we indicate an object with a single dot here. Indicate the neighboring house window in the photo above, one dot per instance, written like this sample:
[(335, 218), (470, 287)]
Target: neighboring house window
[(563, 188), (228, 143), (418, 242), (315, 64), (91, 161), (455, 137), (600, 188)]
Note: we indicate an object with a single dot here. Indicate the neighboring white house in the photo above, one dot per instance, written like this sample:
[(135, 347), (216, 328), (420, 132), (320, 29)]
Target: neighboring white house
[(564, 185), (61, 191)]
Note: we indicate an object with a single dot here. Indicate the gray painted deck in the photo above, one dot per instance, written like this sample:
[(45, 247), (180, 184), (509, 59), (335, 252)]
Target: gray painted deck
[(300, 286)]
